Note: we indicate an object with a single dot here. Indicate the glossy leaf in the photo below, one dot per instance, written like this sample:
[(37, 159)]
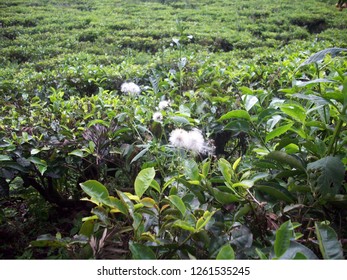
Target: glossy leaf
[(95, 190), (238, 114), (278, 132), (144, 180), (178, 203)]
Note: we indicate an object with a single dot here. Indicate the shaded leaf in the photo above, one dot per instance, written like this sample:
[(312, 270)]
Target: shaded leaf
[(141, 252), (283, 236), (327, 175), (329, 245), (226, 253)]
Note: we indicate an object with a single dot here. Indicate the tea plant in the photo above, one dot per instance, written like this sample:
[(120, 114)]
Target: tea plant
[(174, 142)]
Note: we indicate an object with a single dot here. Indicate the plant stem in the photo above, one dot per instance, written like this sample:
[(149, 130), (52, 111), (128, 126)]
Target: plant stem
[(336, 134)]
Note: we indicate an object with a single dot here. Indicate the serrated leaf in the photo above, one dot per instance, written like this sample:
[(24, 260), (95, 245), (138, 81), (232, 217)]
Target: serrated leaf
[(295, 111), (328, 175), (191, 169), (278, 132), (144, 180), (239, 114), (329, 245), (226, 253)]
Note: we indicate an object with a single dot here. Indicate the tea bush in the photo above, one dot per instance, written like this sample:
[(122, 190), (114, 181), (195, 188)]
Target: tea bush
[(173, 130)]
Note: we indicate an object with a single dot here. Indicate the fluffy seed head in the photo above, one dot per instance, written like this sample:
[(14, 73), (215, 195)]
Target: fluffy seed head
[(178, 138), (157, 117), (130, 88)]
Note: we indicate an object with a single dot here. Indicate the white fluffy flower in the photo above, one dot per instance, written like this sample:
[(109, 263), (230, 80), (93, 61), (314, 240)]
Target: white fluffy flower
[(130, 88), (195, 142), (178, 138), (163, 104), (157, 117)]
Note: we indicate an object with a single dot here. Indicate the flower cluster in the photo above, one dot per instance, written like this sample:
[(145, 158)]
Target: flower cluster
[(192, 140), (130, 88), (157, 117), (163, 104)]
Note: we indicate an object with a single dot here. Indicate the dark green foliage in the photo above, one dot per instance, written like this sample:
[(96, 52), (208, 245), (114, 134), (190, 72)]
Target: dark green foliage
[(90, 170)]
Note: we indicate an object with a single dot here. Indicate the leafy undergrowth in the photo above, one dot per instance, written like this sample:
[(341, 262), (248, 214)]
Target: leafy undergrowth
[(122, 139)]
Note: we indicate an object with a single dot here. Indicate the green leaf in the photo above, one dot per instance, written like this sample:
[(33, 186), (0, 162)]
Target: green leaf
[(249, 101), (225, 198), (155, 185), (97, 191), (236, 163), (283, 236), (127, 202), (139, 155), (184, 225), (77, 153), (201, 222), (296, 111), (321, 54), (277, 132), (206, 168), (144, 180), (5, 158), (178, 203), (277, 191), (327, 175), (87, 228), (141, 252), (297, 251), (284, 158), (226, 253), (225, 168), (180, 120), (238, 125), (329, 245), (40, 164), (191, 169), (239, 114)]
